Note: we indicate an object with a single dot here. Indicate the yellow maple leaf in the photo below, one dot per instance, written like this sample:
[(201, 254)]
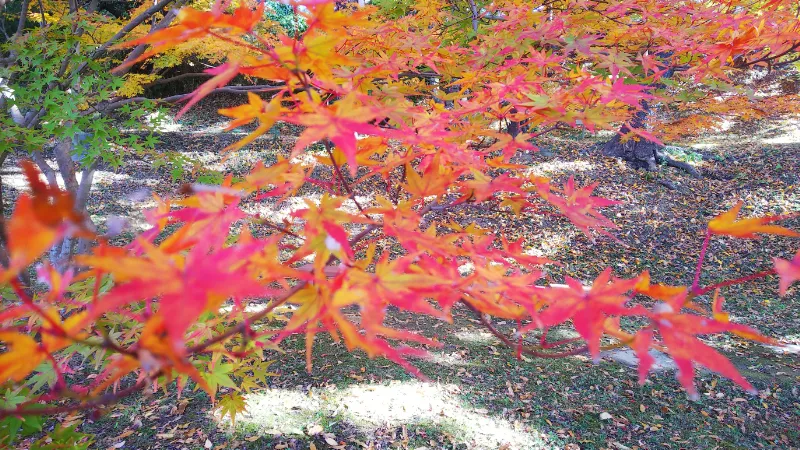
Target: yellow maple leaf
[(23, 354)]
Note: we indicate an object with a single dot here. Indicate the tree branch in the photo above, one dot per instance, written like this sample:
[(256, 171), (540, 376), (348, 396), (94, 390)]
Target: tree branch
[(23, 16), (135, 22)]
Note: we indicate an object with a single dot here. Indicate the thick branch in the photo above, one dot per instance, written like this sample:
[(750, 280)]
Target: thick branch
[(119, 103), (23, 16), (48, 171), (139, 50), (521, 348)]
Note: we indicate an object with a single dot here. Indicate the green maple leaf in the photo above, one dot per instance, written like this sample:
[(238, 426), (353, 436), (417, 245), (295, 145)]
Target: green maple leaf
[(231, 405), (254, 374), (218, 376)]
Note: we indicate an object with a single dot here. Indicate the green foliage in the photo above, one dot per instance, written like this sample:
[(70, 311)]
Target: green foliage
[(284, 15), (11, 427), (55, 91), (683, 154), (218, 377), (394, 9), (63, 438)]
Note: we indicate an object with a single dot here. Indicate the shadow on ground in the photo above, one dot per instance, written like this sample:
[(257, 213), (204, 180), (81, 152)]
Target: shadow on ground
[(479, 396)]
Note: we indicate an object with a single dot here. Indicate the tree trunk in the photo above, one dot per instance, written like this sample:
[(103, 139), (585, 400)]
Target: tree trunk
[(61, 253), (640, 153)]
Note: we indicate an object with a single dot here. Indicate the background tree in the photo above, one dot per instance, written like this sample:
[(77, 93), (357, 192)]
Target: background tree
[(60, 97)]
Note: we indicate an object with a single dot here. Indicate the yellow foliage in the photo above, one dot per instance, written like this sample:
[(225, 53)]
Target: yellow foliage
[(134, 84)]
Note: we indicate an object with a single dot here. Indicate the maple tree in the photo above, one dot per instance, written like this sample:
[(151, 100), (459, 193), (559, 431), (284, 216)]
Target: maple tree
[(60, 91), (369, 89)]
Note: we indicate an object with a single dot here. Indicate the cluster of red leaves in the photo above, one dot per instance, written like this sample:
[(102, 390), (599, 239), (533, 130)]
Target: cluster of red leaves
[(180, 289)]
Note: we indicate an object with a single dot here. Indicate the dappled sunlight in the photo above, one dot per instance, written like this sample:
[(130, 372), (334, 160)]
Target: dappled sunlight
[(787, 132), (779, 132), (786, 349), (474, 337), (454, 359), (283, 210), (371, 407), (548, 243), (556, 167), (281, 411), (16, 180)]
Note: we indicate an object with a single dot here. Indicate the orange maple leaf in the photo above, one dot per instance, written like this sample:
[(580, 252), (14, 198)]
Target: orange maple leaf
[(21, 357), (39, 221), (727, 224), (656, 290), (338, 122), (194, 24), (256, 108), (428, 184)]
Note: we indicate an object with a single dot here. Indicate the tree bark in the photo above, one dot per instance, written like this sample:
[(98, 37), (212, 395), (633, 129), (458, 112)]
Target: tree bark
[(642, 154)]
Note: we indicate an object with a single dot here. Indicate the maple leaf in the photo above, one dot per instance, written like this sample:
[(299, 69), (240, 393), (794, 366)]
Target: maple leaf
[(58, 334), (51, 205), (339, 122), (658, 291), (325, 16), (482, 186), (788, 271), (587, 309), (21, 357), (578, 205), (316, 51), (429, 184), (38, 222), (325, 235), (157, 351), (28, 238), (651, 64), (232, 404), (223, 74), (255, 109), (195, 24), (679, 333), (726, 224)]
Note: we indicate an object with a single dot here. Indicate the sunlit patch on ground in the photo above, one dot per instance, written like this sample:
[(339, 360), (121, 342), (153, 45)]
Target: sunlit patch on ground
[(550, 242), (779, 132), (448, 359), (284, 210), (378, 406), (555, 167), (15, 179), (474, 337), (281, 411), (788, 349), (788, 132)]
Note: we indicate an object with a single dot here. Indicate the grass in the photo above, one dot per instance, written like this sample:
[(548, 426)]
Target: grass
[(479, 395)]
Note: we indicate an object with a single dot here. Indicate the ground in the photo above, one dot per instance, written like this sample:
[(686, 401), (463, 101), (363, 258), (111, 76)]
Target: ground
[(479, 394)]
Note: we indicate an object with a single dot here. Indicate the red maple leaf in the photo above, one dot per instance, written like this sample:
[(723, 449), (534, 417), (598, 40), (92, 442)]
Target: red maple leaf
[(679, 333), (788, 271), (588, 309)]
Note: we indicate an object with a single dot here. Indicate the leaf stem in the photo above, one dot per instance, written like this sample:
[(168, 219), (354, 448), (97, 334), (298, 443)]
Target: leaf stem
[(740, 280), (699, 268)]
